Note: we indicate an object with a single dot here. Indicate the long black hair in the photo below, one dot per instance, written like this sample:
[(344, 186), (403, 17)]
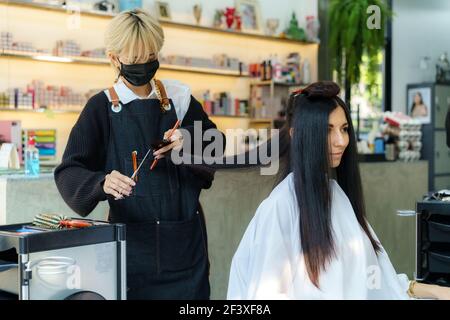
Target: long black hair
[(413, 105), (306, 155), (308, 113)]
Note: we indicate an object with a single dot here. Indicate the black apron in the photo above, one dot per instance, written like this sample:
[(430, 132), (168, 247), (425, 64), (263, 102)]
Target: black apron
[(166, 234)]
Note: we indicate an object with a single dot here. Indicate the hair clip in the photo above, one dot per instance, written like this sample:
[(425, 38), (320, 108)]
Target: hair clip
[(297, 92)]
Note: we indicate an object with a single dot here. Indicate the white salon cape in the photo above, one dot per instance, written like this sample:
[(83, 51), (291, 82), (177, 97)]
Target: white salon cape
[(268, 263)]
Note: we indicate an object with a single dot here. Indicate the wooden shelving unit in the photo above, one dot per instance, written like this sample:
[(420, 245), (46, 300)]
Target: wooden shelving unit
[(50, 111), (86, 73), (41, 110), (105, 62), (228, 116), (274, 83), (261, 120), (233, 32), (105, 15)]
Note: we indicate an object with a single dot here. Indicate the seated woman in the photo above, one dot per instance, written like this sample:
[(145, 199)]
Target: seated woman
[(310, 239)]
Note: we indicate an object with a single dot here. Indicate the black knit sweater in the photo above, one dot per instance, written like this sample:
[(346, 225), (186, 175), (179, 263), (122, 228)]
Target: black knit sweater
[(81, 174)]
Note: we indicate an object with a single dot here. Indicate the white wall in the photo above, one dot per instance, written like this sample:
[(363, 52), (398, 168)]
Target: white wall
[(420, 28)]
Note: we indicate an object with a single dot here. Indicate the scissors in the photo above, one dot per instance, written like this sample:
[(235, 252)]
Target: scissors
[(165, 142), (136, 171)]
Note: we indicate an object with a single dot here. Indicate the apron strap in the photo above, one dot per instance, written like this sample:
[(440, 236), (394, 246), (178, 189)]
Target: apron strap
[(161, 92), (165, 103), (114, 97)]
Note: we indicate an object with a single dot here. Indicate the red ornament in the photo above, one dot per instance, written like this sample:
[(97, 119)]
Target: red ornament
[(238, 22), (229, 16)]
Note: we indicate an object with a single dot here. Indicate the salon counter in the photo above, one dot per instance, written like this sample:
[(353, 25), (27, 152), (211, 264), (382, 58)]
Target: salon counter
[(22, 197), (232, 201)]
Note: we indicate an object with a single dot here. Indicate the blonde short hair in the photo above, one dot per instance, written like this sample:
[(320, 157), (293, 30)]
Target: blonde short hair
[(135, 33)]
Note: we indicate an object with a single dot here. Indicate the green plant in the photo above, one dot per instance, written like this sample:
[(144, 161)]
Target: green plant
[(351, 39)]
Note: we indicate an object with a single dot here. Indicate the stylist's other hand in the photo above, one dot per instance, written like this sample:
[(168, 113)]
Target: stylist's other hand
[(117, 184), (177, 143)]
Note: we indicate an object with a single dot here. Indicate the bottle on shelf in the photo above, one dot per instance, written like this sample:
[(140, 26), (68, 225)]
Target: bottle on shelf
[(277, 69), (263, 70), (372, 136), (269, 70), (306, 72), (31, 158)]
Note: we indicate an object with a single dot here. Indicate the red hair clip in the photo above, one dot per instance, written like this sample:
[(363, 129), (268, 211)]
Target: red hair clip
[(297, 92)]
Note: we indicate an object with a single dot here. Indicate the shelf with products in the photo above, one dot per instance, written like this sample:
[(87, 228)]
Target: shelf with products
[(272, 83), (72, 68), (105, 62), (268, 100), (50, 111), (107, 15), (39, 96), (45, 141), (261, 120), (233, 32), (45, 97), (276, 83), (40, 110), (57, 8), (228, 116)]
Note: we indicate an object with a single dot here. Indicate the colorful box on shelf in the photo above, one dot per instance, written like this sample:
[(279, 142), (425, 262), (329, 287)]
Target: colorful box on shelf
[(6, 40), (10, 132), (226, 107), (293, 70), (45, 142), (129, 4), (69, 51), (37, 95), (219, 62), (99, 53), (4, 100), (67, 48), (7, 43), (18, 99)]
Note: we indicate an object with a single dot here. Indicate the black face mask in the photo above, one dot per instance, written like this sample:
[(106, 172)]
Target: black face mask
[(139, 74)]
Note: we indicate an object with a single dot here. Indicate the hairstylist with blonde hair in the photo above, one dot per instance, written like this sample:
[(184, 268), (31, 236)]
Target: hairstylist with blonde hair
[(166, 235)]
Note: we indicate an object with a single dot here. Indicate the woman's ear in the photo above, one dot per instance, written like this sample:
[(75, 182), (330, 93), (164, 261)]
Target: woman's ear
[(114, 60), (291, 132)]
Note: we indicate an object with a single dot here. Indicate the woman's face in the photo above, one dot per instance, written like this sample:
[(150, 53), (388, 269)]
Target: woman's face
[(338, 137), (417, 99)]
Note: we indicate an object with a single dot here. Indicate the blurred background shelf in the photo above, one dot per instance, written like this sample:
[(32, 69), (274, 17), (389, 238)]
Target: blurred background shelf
[(234, 33), (41, 110), (105, 62), (105, 15), (63, 9), (43, 25), (261, 120), (50, 111), (275, 83), (229, 116)]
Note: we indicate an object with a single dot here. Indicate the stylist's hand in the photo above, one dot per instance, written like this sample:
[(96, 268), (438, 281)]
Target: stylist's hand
[(117, 184), (177, 143)]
